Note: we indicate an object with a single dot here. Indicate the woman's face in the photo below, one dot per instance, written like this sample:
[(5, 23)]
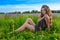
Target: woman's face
[(43, 11)]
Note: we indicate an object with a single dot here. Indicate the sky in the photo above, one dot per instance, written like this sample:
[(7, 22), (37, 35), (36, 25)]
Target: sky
[(27, 5)]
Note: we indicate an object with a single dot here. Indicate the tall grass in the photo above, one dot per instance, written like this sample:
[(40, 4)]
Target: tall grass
[(11, 23)]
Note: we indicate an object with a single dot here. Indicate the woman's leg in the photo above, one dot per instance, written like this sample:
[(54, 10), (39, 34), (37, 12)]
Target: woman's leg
[(31, 21), (27, 25)]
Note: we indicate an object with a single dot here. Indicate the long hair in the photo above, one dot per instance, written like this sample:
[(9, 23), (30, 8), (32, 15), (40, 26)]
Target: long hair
[(48, 12)]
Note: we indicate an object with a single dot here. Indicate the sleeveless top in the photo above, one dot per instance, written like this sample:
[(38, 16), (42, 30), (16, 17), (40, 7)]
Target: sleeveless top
[(41, 25)]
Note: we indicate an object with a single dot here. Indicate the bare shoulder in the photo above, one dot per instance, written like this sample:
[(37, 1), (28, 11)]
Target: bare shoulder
[(46, 16)]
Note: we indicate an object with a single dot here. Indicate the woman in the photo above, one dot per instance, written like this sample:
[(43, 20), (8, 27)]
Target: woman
[(46, 19), (44, 22)]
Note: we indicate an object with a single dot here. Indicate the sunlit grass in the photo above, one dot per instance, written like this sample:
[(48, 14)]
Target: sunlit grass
[(11, 23)]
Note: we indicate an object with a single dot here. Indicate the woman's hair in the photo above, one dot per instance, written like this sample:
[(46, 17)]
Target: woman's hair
[(48, 12)]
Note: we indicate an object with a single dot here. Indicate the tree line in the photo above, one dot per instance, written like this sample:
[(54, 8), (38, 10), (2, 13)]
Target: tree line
[(33, 11)]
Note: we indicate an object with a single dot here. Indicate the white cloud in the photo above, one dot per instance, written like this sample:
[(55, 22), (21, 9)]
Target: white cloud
[(23, 7), (54, 6)]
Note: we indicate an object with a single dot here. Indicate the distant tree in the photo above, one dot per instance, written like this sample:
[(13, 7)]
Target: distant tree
[(2, 13), (55, 11), (35, 11), (58, 11), (14, 13), (26, 12)]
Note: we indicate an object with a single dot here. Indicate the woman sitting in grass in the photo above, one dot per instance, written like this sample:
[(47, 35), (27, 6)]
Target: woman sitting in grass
[(44, 22)]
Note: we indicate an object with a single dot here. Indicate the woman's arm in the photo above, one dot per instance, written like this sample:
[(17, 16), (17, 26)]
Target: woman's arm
[(47, 19)]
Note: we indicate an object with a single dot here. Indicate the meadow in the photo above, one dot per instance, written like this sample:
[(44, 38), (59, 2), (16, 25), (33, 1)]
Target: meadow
[(10, 23)]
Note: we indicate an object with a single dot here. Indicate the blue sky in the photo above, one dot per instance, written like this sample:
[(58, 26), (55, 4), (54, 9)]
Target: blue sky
[(27, 5)]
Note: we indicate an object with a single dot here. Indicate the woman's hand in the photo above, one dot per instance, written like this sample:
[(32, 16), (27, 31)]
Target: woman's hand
[(40, 19)]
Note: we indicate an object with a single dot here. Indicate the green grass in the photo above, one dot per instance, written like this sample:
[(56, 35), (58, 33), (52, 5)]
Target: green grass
[(8, 24)]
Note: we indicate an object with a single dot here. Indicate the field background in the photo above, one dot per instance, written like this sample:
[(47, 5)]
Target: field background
[(10, 22)]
